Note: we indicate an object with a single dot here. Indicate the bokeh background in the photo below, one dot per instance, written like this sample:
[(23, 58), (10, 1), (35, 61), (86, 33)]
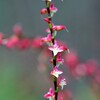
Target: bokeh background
[(20, 78)]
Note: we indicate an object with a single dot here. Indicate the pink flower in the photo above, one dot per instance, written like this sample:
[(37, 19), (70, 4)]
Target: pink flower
[(59, 60), (47, 39), (57, 28), (53, 10), (56, 72), (62, 82), (43, 11), (50, 95), (47, 20), (56, 48)]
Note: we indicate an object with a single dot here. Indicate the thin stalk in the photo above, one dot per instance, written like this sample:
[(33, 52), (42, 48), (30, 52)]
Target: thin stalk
[(54, 57)]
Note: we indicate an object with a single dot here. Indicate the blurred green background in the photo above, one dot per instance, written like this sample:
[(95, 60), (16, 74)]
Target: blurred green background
[(19, 76)]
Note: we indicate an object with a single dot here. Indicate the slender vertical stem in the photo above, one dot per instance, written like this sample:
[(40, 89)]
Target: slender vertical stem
[(54, 57)]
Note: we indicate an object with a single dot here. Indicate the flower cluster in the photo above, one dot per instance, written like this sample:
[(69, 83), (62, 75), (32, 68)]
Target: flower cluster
[(80, 69), (56, 48), (18, 40), (87, 70)]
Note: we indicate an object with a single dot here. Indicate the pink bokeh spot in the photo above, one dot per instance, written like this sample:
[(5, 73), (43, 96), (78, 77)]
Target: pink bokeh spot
[(1, 37)]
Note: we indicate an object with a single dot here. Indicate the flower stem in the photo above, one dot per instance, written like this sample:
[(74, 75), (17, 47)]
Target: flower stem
[(53, 39)]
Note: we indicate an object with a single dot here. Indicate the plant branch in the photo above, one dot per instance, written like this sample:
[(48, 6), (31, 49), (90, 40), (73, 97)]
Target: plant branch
[(54, 57)]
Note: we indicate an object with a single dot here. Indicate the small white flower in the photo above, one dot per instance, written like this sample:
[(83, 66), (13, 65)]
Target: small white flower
[(62, 83), (56, 72)]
